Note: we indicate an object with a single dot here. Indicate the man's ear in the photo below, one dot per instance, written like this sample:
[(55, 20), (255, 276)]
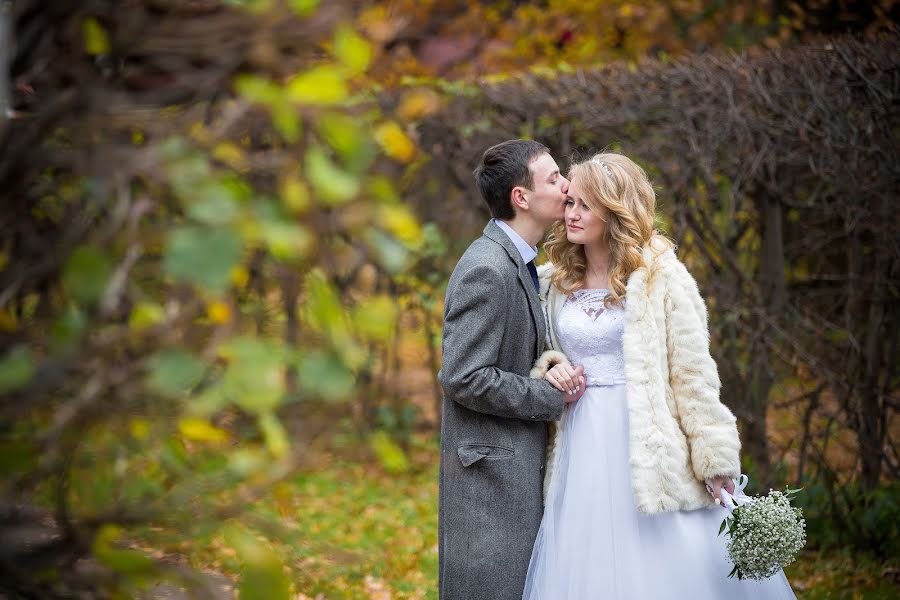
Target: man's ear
[(518, 199)]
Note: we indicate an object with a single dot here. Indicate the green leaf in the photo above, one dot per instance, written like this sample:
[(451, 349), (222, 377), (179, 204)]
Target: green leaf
[(248, 461), (723, 526), (354, 52), (275, 435), (16, 368), (186, 167), (202, 256), (145, 314), (213, 202), (211, 400), (258, 89), (86, 273), (16, 456), (376, 317), (321, 85), (173, 371), (389, 454), (287, 241), (254, 378), (286, 121), (303, 8), (390, 253), (383, 189), (121, 560), (344, 134), (325, 376), (68, 328), (434, 243), (334, 185), (262, 572)]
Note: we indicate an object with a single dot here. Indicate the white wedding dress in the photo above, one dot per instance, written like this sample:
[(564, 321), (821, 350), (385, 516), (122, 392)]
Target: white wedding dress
[(593, 543)]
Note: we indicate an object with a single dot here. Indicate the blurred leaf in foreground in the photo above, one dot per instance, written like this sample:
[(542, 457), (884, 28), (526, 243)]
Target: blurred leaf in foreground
[(262, 571), (86, 273), (16, 369), (202, 256), (173, 371), (389, 454)]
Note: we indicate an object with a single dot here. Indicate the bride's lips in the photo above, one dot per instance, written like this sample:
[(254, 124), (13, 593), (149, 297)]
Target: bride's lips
[(574, 228)]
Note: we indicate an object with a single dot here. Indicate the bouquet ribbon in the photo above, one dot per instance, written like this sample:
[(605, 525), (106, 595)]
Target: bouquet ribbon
[(738, 498)]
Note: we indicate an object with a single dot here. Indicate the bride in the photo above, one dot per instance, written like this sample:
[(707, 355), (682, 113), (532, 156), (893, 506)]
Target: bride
[(636, 462)]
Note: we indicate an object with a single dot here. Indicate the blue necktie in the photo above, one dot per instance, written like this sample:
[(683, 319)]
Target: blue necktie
[(534, 277)]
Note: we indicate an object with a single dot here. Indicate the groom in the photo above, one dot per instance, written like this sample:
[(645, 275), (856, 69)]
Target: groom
[(494, 430)]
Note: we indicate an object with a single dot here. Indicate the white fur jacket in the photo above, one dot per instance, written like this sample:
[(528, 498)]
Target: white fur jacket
[(680, 432)]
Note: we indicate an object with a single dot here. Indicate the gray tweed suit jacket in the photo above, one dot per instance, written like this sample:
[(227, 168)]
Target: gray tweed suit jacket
[(494, 430)]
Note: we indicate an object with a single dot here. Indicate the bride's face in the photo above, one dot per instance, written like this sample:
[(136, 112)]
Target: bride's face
[(583, 225)]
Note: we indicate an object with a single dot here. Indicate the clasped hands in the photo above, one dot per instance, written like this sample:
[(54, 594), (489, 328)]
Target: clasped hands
[(567, 379), (570, 381)]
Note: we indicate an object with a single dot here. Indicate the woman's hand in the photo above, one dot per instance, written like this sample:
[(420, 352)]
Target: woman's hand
[(714, 487), (566, 378)]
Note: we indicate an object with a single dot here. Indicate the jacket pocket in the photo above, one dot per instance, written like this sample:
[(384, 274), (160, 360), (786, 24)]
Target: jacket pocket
[(470, 454)]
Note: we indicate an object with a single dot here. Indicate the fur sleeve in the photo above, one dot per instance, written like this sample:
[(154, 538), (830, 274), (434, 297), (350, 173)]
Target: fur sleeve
[(546, 361), (709, 425)]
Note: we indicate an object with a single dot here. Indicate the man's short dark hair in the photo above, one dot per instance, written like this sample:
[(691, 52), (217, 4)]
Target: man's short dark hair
[(502, 168)]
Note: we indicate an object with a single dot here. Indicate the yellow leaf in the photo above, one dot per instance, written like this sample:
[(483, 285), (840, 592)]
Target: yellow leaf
[(239, 276), (397, 220), (231, 155), (145, 314), (275, 435), (218, 311), (352, 50), (197, 429), (418, 104), (139, 427), (394, 141), (199, 132), (389, 454), (294, 194), (375, 317), (96, 41), (8, 321), (320, 85)]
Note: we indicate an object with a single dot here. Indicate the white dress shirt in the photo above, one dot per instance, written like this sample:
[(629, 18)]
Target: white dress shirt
[(528, 253)]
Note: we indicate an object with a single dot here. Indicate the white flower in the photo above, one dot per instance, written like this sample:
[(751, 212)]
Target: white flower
[(765, 535)]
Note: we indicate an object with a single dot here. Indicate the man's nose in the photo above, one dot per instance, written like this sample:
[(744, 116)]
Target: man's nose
[(565, 185)]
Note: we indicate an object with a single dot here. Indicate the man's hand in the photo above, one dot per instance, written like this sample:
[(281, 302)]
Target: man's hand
[(567, 379)]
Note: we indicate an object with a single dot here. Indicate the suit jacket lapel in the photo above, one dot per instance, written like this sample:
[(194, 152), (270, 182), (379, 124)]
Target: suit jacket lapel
[(534, 303)]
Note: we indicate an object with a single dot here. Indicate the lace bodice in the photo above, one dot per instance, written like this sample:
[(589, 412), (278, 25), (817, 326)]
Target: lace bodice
[(591, 335)]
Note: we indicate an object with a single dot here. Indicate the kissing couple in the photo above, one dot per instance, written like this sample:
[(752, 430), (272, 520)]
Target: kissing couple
[(608, 341)]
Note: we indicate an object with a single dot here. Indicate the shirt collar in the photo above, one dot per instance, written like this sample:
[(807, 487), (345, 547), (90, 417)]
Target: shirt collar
[(528, 253)]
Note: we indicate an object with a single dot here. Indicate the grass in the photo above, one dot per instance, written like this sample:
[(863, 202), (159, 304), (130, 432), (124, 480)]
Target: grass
[(350, 529)]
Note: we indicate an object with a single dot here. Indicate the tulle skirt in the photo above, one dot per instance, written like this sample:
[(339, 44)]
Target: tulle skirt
[(593, 542)]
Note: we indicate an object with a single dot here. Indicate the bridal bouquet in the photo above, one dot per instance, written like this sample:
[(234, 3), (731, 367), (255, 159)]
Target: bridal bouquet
[(765, 532)]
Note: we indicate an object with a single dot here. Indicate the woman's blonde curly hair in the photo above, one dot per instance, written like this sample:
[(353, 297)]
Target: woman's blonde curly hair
[(614, 182)]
